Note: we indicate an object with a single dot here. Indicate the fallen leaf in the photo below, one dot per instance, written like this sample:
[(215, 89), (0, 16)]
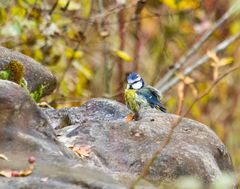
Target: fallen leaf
[(129, 118), (82, 151), (26, 172), (3, 157), (6, 173)]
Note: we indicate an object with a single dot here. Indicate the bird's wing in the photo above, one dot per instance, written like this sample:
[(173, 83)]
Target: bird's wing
[(152, 96), (156, 92)]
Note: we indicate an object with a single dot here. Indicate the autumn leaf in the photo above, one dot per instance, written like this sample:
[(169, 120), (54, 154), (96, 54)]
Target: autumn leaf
[(129, 118), (123, 55), (26, 172), (6, 173), (186, 79), (82, 150), (218, 62), (72, 6), (181, 4), (2, 156)]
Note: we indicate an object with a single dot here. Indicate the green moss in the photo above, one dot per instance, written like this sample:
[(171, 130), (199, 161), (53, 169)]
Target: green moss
[(4, 75), (16, 71), (37, 94)]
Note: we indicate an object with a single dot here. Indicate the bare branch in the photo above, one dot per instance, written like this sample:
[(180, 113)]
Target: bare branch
[(223, 45), (121, 32), (139, 8), (183, 60)]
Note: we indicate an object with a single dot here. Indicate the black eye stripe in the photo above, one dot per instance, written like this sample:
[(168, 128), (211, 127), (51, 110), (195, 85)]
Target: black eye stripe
[(135, 82)]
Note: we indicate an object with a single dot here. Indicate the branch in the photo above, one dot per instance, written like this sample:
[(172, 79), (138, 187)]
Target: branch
[(104, 43), (223, 45), (121, 32), (183, 60), (175, 123), (137, 16)]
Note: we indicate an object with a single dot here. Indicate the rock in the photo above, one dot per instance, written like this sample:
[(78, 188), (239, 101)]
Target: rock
[(123, 148), (119, 150), (25, 131), (35, 73)]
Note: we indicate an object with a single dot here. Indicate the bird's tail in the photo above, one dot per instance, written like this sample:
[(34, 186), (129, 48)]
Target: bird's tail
[(161, 108)]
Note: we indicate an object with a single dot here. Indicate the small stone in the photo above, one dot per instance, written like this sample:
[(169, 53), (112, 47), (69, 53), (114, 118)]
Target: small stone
[(31, 159)]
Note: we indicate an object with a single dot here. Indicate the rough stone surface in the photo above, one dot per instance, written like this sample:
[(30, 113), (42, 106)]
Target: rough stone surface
[(24, 132), (119, 149), (35, 73), (123, 147)]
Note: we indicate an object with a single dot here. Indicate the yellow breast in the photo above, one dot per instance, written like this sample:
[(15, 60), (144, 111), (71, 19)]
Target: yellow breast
[(130, 98)]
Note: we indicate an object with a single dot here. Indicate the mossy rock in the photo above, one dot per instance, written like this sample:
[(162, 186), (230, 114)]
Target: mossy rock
[(33, 72)]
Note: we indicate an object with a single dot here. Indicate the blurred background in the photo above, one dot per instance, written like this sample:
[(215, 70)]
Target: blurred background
[(91, 45)]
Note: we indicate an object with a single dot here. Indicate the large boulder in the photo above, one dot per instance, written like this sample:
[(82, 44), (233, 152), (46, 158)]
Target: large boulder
[(35, 73), (124, 148), (119, 149), (25, 131)]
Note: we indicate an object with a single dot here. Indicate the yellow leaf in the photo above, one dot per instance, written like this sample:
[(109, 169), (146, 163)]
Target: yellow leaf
[(73, 6), (123, 55), (225, 61), (26, 172), (82, 151), (6, 173), (181, 4), (86, 4), (70, 52), (3, 157)]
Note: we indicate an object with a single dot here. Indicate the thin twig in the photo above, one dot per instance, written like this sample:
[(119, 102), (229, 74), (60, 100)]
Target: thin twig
[(183, 60), (175, 123), (53, 7), (139, 8), (105, 53), (223, 45), (121, 31), (66, 6)]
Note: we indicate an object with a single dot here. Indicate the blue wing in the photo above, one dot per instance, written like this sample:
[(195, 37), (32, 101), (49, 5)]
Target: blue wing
[(152, 96)]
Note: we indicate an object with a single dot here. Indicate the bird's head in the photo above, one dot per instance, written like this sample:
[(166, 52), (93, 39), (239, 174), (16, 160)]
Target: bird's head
[(134, 81)]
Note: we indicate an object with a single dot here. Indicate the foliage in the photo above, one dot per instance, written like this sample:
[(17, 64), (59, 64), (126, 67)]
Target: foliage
[(91, 45)]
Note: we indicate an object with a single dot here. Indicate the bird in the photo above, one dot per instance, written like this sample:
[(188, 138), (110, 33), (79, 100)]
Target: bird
[(137, 94)]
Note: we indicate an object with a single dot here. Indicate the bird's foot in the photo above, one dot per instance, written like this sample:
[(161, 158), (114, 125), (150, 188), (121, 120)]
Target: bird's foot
[(131, 117)]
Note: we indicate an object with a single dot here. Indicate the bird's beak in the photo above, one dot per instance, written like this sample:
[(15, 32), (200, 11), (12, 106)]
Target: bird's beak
[(128, 86)]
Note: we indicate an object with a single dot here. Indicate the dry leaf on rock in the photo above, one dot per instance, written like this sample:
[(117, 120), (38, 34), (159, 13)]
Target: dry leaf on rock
[(2, 156), (82, 150), (26, 172), (6, 173)]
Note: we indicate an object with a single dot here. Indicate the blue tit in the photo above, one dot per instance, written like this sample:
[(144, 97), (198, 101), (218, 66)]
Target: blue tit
[(138, 95)]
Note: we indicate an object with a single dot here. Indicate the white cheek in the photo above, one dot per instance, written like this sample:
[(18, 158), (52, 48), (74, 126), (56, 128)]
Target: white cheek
[(137, 85)]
